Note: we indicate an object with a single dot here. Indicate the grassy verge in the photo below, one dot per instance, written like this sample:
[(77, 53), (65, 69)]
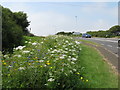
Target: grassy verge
[(98, 72)]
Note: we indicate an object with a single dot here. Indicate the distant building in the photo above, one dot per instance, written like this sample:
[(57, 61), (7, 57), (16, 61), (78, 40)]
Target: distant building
[(76, 33)]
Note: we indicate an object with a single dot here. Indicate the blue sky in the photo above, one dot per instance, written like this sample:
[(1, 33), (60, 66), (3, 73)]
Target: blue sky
[(50, 17)]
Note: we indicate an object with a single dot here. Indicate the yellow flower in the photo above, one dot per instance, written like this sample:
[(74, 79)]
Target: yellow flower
[(86, 80), (41, 66), (48, 63), (51, 67), (4, 63), (29, 63), (78, 73), (8, 75), (81, 77)]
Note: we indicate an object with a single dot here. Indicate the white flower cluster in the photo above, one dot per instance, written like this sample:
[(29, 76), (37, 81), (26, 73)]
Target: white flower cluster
[(64, 54), (26, 52), (77, 42), (17, 55), (6, 56), (51, 80), (21, 68), (19, 47), (34, 43), (68, 50)]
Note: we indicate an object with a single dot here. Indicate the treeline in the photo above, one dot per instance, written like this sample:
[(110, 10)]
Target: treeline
[(65, 33), (69, 33), (112, 32), (14, 27)]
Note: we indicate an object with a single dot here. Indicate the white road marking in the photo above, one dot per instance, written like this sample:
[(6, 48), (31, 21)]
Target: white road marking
[(109, 45), (104, 40), (112, 41), (111, 52)]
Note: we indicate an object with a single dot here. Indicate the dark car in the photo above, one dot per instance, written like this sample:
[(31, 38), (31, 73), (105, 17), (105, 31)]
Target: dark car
[(86, 35), (119, 43)]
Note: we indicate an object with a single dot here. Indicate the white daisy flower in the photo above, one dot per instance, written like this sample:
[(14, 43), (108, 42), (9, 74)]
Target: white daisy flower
[(51, 80), (21, 68), (34, 43), (74, 59), (26, 51), (17, 55), (19, 47), (41, 60)]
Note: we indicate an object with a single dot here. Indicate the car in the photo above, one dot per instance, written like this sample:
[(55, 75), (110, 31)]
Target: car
[(119, 43), (86, 35)]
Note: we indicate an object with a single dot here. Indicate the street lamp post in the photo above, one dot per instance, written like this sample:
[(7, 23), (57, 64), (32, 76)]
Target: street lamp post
[(76, 22)]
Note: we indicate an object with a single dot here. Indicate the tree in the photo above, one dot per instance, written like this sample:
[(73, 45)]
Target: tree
[(114, 30), (12, 33), (21, 20)]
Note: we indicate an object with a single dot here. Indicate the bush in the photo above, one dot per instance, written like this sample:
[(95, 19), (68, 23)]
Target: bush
[(112, 32), (13, 29)]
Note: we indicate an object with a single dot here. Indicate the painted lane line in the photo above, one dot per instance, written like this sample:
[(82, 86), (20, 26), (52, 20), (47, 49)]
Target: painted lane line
[(111, 52), (105, 40), (109, 45), (112, 41)]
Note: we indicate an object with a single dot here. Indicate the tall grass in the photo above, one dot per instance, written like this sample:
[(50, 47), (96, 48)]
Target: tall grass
[(50, 62), (57, 62)]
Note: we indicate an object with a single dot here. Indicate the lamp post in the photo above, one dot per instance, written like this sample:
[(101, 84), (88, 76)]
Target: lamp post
[(76, 22)]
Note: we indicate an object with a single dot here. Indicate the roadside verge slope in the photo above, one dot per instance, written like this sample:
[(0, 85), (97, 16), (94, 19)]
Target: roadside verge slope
[(96, 69)]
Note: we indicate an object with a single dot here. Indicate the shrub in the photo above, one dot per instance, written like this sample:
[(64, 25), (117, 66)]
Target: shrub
[(13, 29)]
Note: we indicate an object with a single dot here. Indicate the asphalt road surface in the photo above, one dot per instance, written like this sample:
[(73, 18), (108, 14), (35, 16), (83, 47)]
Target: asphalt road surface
[(110, 44)]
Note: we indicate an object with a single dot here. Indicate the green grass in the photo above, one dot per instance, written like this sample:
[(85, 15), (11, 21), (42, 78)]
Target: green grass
[(98, 72)]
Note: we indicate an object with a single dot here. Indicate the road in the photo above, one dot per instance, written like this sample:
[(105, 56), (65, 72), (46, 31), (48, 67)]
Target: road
[(108, 47), (110, 44)]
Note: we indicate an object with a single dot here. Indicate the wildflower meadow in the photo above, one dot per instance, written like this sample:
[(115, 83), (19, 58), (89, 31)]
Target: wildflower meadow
[(44, 62)]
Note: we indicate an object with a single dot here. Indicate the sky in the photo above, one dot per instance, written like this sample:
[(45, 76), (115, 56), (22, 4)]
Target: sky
[(48, 18)]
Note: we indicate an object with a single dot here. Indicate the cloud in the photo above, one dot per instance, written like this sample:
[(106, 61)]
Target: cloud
[(93, 16), (99, 16), (44, 23), (100, 8)]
